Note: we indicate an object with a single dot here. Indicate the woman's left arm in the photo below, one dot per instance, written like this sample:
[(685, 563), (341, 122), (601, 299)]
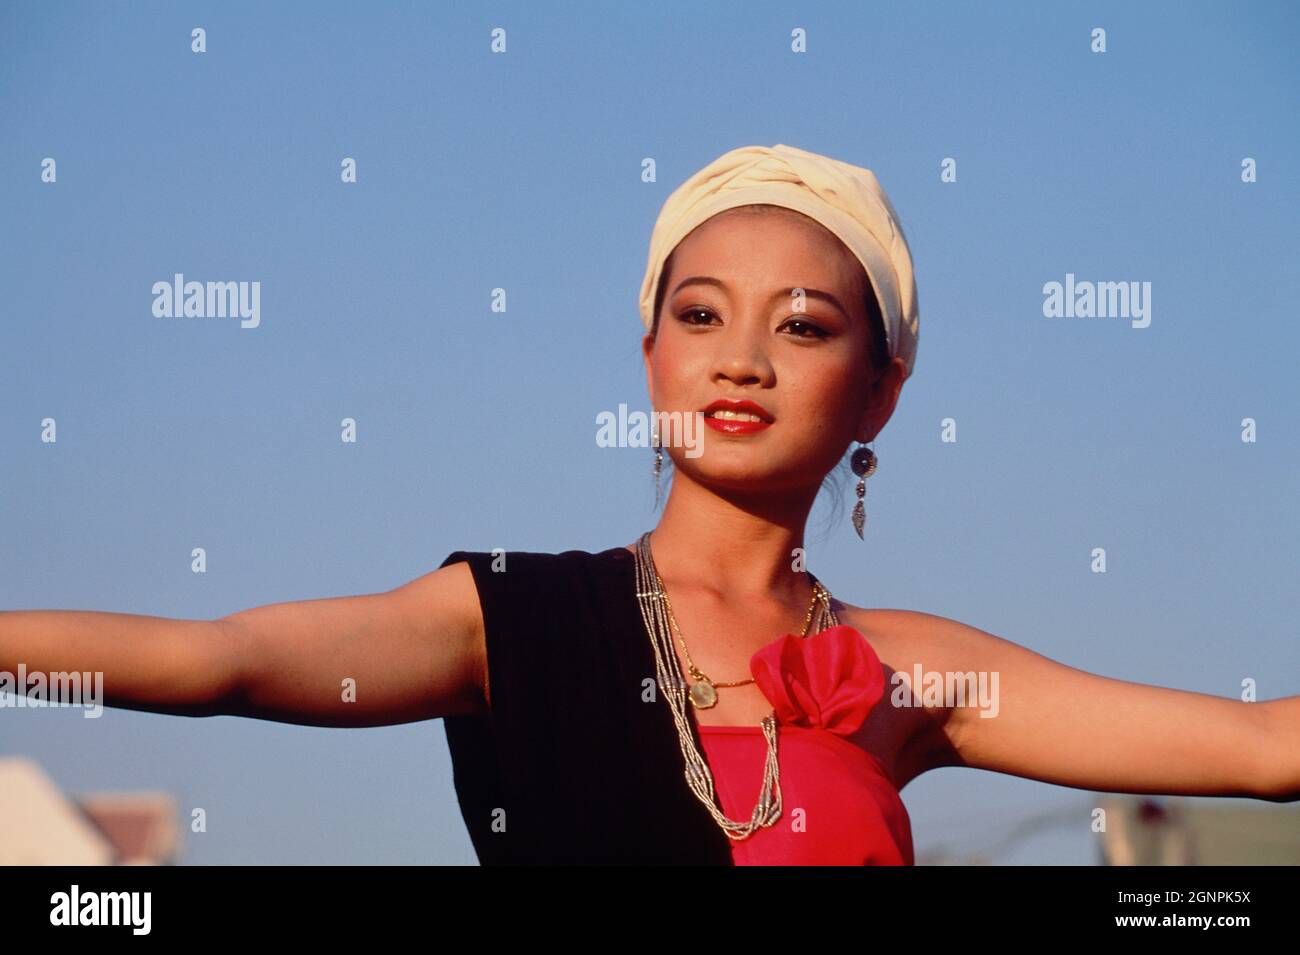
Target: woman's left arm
[(1061, 725)]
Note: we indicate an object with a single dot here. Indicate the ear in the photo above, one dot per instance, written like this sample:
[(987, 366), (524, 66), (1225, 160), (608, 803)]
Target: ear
[(883, 400), (647, 354)]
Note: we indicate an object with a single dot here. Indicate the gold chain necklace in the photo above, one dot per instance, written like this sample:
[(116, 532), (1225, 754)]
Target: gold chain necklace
[(704, 692), (669, 674)]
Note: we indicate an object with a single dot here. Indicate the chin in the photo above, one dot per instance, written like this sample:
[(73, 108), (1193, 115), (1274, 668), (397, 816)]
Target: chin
[(745, 477)]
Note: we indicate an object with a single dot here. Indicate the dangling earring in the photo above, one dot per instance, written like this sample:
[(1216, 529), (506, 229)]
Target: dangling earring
[(659, 465), (864, 465)]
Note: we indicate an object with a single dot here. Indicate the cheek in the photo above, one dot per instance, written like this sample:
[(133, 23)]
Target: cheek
[(823, 391), (675, 369)]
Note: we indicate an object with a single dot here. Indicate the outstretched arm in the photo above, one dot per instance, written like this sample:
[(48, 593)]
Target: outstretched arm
[(1066, 726), (411, 653)]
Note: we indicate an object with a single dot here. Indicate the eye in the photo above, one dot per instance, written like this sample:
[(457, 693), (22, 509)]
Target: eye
[(688, 315), (806, 329)]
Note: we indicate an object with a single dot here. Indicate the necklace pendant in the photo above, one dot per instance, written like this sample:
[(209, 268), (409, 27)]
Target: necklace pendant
[(703, 695)]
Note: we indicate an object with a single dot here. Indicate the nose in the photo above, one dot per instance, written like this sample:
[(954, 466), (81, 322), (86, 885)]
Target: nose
[(741, 356)]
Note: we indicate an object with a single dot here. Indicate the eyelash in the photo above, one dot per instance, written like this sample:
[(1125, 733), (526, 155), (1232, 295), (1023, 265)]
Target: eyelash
[(816, 331)]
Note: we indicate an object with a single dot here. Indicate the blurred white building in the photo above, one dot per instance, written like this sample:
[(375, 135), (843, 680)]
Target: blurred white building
[(40, 825)]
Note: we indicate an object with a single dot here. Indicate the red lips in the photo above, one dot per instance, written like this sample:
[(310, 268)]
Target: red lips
[(733, 426)]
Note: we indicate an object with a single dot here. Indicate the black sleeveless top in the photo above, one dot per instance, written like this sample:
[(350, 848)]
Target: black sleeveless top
[(574, 764)]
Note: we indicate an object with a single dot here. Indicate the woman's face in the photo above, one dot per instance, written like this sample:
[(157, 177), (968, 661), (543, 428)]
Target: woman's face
[(731, 327)]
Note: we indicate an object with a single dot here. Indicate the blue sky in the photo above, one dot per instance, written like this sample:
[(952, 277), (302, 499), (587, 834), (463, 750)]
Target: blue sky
[(476, 429)]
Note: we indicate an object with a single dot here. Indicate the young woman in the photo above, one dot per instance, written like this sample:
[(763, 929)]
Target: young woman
[(697, 695)]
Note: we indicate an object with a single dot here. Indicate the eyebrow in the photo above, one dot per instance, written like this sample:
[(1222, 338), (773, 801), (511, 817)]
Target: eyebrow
[(826, 297)]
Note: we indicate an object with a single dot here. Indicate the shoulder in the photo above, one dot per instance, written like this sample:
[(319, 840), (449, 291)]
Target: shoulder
[(522, 604), (955, 671), (940, 643), (908, 638), (500, 558), (914, 633), (916, 727), (908, 641), (504, 574)]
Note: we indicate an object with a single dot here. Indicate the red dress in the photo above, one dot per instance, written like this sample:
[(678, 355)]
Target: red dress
[(838, 806)]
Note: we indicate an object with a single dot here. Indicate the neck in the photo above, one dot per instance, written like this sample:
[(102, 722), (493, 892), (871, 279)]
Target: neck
[(740, 544)]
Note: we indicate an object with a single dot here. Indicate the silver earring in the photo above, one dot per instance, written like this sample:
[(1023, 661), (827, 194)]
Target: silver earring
[(658, 468), (864, 465)]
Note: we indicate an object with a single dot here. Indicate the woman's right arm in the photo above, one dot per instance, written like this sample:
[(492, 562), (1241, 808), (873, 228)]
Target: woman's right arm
[(412, 653)]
